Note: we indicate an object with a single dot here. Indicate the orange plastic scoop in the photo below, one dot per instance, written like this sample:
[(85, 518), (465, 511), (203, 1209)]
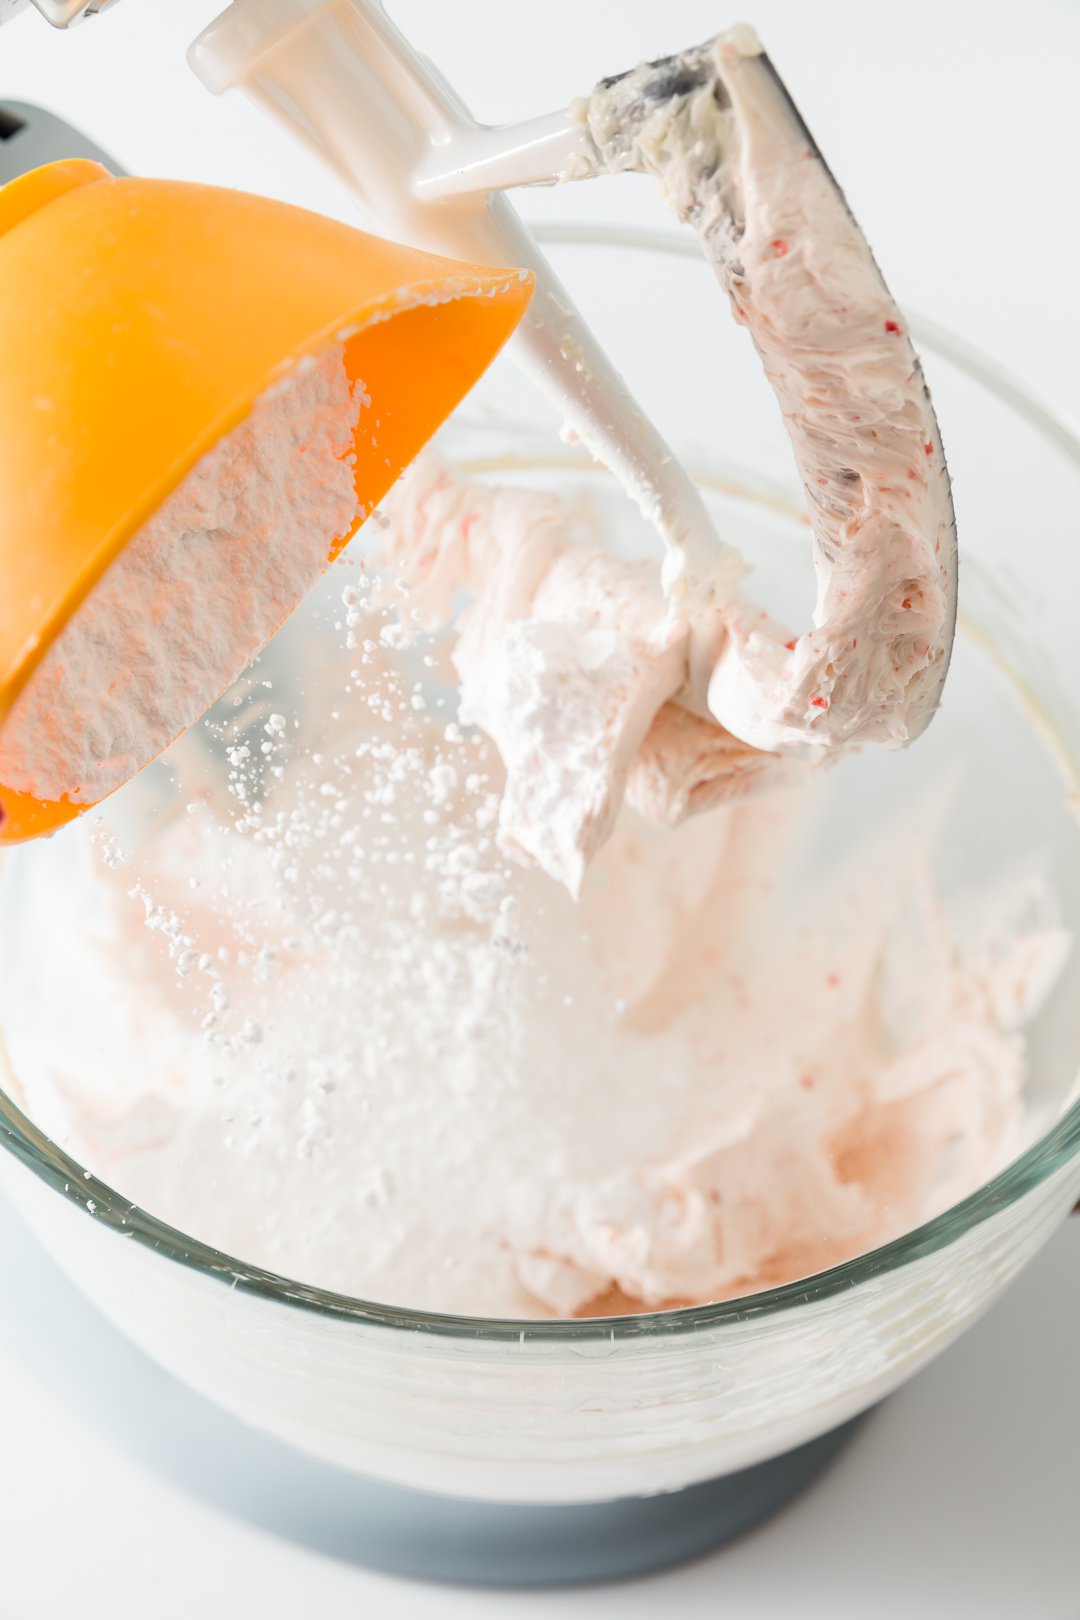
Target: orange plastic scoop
[(139, 322)]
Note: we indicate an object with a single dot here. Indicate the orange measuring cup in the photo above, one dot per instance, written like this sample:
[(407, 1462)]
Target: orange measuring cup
[(139, 322)]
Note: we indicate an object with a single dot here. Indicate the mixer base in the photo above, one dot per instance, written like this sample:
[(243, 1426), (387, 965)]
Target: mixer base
[(497, 1544)]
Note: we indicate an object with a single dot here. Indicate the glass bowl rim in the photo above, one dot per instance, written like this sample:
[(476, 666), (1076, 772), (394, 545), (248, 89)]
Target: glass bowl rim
[(94, 1198)]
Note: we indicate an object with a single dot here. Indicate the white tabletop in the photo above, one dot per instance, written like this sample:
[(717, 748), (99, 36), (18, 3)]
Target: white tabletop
[(956, 132)]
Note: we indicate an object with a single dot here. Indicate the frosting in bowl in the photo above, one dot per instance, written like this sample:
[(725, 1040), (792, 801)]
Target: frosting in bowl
[(320, 1019)]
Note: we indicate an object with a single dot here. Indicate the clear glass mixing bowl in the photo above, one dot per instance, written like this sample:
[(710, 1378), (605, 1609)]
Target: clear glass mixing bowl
[(576, 1411)]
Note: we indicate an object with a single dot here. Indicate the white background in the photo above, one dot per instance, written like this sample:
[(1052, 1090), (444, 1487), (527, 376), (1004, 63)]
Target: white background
[(955, 129)]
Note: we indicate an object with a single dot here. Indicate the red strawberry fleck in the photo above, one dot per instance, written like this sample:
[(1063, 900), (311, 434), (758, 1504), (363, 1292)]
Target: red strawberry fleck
[(906, 603), (819, 702), (790, 645), (832, 980), (780, 247), (928, 448), (892, 326)]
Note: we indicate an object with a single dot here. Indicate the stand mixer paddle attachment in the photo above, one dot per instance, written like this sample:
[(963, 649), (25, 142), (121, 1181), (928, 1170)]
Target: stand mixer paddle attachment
[(717, 131)]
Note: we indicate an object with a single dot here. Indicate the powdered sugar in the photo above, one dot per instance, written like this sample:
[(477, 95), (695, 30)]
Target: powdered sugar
[(196, 594)]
